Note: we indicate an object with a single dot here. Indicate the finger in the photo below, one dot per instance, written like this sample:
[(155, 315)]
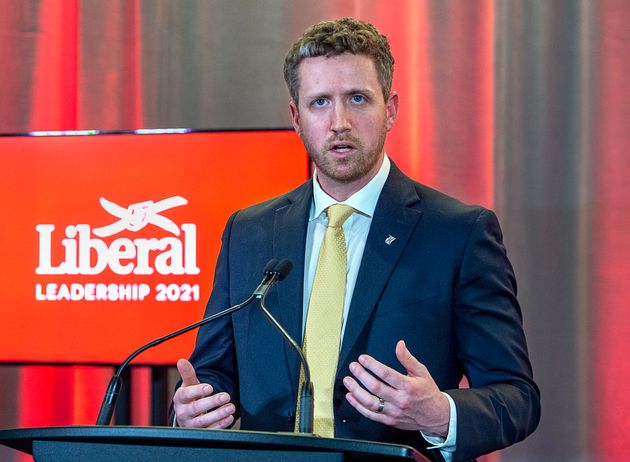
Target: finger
[(191, 393), (204, 405), (388, 375), (223, 423), (361, 395), (187, 372), (368, 413), (414, 367), (220, 417), (204, 412), (371, 383)]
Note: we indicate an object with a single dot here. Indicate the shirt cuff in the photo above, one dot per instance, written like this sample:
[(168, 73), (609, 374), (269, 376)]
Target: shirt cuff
[(449, 443)]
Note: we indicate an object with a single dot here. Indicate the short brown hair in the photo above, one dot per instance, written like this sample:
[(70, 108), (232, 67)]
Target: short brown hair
[(332, 38)]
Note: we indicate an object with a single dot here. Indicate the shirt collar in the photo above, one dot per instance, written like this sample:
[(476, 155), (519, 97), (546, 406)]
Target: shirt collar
[(364, 200)]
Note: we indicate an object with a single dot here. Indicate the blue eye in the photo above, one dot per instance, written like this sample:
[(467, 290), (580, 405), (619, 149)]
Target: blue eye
[(358, 99), (319, 102)]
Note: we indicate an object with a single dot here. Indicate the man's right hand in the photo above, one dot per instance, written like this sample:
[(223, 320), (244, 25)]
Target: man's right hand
[(195, 404)]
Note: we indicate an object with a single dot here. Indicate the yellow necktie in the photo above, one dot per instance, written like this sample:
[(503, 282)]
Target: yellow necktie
[(324, 319)]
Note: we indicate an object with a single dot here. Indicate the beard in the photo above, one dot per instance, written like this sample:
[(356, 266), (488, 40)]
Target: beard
[(346, 169)]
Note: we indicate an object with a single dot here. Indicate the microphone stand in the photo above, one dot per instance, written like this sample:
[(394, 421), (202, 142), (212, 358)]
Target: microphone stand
[(306, 397), (274, 271), (113, 389)]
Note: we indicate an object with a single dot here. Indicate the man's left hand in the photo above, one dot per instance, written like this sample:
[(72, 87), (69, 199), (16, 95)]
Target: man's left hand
[(408, 402)]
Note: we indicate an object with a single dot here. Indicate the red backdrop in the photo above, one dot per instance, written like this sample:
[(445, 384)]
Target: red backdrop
[(65, 310)]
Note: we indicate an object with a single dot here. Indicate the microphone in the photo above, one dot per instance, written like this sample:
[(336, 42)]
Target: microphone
[(272, 274), (270, 278), (283, 268), (281, 271)]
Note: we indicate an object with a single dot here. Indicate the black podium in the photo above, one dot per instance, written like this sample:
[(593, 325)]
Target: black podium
[(161, 444)]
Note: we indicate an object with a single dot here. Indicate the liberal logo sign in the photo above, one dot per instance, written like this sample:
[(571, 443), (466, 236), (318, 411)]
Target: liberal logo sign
[(82, 249)]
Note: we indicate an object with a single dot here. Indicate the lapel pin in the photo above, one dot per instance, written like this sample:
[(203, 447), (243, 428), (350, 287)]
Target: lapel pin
[(390, 239)]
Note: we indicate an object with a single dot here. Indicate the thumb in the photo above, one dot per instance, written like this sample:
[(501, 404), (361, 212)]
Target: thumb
[(187, 371), (414, 367)]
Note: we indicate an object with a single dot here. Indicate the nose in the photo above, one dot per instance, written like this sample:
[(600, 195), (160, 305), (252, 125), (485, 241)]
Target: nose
[(340, 119)]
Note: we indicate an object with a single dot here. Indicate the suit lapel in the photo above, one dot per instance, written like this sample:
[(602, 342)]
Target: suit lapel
[(290, 225), (393, 218)]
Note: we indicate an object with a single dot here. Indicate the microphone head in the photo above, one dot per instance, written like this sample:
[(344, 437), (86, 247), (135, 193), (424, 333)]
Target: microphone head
[(283, 268), (270, 266)]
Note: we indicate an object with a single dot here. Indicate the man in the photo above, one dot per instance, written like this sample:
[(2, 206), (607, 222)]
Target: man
[(428, 297)]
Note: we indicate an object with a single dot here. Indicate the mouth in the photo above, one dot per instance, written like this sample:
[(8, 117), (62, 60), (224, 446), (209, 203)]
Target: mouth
[(341, 147)]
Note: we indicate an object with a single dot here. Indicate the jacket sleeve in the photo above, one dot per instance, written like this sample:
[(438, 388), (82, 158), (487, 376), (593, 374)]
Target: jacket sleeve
[(502, 405)]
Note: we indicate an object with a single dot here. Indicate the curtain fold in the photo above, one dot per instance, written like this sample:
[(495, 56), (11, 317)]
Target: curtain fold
[(544, 119), (611, 235)]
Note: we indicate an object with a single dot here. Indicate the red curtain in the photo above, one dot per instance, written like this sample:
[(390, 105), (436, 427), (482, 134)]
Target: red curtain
[(59, 97), (611, 259)]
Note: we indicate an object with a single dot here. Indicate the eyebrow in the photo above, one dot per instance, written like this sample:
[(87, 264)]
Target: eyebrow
[(351, 91), (365, 91)]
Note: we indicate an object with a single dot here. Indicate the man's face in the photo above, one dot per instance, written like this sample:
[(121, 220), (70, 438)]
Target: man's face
[(342, 119)]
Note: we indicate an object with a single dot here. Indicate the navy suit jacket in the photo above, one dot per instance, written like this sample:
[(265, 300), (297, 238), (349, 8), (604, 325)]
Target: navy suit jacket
[(444, 285)]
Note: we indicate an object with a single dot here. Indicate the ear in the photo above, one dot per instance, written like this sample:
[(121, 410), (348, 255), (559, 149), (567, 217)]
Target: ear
[(295, 115), (392, 110)]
